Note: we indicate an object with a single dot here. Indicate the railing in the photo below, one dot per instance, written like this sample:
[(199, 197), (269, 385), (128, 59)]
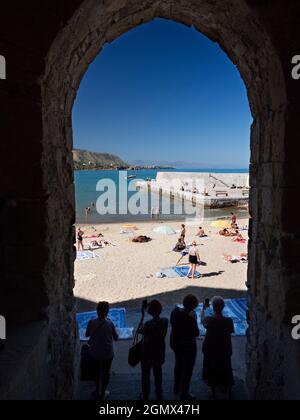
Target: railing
[(219, 180)]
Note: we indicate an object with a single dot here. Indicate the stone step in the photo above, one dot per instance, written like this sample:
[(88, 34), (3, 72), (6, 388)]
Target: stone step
[(124, 387)]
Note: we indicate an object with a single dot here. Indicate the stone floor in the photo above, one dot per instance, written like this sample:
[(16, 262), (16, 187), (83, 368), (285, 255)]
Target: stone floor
[(126, 382)]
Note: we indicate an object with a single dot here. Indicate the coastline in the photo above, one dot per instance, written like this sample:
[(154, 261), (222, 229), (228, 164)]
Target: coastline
[(215, 214), (86, 183)]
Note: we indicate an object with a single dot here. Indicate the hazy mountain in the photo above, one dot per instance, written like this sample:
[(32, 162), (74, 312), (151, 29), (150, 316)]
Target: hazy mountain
[(85, 158), (177, 164)]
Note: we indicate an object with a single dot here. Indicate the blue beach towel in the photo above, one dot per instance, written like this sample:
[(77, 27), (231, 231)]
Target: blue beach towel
[(117, 316), (235, 309), (175, 272), (86, 255), (183, 271)]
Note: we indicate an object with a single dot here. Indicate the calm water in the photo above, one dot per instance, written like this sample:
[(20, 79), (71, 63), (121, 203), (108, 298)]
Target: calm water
[(86, 194)]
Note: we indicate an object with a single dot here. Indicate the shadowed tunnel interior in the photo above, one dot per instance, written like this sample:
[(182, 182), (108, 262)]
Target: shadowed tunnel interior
[(48, 48)]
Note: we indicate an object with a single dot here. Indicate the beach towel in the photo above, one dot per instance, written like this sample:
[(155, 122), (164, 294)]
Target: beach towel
[(235, 309), (175, 272), (86, 255), (203, 238), (236, 259), (239, 240), (92, 247), (117, 316)]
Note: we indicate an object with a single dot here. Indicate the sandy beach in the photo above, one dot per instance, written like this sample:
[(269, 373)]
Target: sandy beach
[(125, 273)]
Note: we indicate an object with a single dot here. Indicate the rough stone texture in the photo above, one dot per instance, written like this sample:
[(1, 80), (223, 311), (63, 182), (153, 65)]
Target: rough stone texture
[(48, 47)]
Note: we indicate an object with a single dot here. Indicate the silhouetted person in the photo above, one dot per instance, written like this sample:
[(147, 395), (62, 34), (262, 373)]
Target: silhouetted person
[(217, 348), (102, 334), (153, 349), (183, 342)]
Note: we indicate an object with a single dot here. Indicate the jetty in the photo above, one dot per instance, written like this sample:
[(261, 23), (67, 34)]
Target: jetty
[(213, 190)]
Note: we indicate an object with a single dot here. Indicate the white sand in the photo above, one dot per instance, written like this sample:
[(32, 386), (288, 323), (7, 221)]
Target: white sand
[(125, 274)]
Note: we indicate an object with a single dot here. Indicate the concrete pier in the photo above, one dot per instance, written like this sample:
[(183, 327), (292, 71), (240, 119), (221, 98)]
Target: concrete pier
[(209, 189)]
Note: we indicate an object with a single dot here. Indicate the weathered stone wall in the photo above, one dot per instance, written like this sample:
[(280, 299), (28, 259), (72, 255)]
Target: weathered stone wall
[(36, 216), (48, 47), (274, 271)]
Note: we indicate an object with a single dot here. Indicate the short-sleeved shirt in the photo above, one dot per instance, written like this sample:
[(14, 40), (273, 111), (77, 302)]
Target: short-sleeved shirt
[(102, 334)]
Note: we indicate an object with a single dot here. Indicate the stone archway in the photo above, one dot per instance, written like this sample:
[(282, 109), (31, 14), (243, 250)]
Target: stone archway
[(249, 35)]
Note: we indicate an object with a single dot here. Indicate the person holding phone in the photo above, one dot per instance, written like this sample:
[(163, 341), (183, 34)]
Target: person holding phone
[(217, 347)]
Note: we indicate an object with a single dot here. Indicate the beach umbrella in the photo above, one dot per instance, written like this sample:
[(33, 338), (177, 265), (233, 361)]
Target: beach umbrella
[(221, 224), (165, 230)]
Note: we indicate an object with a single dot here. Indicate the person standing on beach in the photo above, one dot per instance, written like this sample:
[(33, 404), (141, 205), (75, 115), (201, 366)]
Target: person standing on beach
[(183, 232), (233, 220), (80, 234), (194, 259), (183, 342)]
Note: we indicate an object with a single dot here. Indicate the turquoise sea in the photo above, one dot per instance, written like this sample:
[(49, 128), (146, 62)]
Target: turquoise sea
[(87, 195)]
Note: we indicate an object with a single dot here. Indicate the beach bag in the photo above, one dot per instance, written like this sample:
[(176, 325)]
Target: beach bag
[(135, 352), (89, 366)]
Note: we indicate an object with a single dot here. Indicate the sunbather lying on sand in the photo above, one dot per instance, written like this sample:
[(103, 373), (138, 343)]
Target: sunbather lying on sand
[(95, 245), (233, 259), (99, 244), (141, 239), (240, 239), (96, 236), (227, 233)]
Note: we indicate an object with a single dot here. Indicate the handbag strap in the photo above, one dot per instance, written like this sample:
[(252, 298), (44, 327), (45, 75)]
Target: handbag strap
[(136, 336)]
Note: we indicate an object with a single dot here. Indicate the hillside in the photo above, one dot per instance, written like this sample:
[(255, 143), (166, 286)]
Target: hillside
[(84, 159)]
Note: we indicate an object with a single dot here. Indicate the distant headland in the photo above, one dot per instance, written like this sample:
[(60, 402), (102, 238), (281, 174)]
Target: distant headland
[(86, 160)]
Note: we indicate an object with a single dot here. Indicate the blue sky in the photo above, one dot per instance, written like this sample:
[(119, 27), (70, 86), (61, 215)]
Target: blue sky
[(164, 92)]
